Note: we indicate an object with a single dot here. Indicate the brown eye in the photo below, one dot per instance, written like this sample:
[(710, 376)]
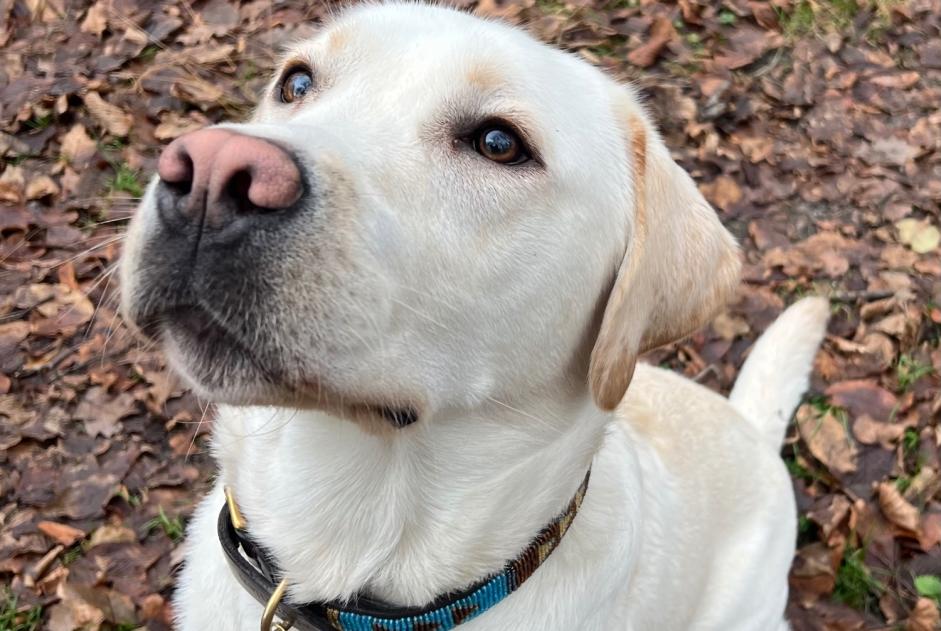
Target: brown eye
[(500, 144), (296, 85)]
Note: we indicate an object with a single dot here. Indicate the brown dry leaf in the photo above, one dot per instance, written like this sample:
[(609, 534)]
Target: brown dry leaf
[(900, 81), (198, 91), (62, 308), (746, 45), (96, 20), (661, 34), (110, 533), (924, 616), (824, 251), (896, 325), (890, 152), (78, 148), (62, 533), (871, 432), (813, 572), (896, 508), (101, 411), (723, 192), (929, 535), (73, 612), (173, 125), (729, 327), (12, 183), (863, 397), (827, 439), (111, 118), (210, 54), (41, 186)]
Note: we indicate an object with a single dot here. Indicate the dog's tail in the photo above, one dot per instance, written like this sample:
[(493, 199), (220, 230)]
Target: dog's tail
[(777, 371)]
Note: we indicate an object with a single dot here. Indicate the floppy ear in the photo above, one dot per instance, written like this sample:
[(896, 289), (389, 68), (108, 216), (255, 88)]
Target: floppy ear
[(679, 267)]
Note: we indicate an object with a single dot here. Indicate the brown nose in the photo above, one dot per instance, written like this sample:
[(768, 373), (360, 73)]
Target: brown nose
[(218, 170)]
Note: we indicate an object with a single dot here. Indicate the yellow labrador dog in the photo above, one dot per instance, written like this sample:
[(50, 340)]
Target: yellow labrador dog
[(417, 283)]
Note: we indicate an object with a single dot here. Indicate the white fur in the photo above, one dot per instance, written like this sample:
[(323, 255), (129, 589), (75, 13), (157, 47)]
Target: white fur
[(775, 375), (423, 273)]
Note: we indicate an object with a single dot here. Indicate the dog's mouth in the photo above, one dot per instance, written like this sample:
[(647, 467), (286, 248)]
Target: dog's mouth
[(203, 343)]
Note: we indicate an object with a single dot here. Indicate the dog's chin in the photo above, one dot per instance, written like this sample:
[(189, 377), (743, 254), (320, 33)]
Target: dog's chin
[(222, 369)]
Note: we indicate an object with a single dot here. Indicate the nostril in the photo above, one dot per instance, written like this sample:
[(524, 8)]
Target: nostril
[(183, 185), (237, 190), (176, 169)]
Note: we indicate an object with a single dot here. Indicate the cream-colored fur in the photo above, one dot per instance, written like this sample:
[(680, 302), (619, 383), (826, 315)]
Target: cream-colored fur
[(507, 305)]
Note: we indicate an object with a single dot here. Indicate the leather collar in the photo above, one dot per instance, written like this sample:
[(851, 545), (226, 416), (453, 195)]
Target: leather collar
[(258, 574)]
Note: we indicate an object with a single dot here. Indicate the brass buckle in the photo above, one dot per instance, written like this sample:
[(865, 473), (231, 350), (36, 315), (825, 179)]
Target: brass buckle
[(234, 513), (267, 618)]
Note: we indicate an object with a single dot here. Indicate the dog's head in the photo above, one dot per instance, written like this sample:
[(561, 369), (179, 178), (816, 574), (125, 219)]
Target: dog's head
[(427, 210)]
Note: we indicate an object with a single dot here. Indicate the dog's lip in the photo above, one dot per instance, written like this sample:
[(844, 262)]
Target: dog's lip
[(198, 323)]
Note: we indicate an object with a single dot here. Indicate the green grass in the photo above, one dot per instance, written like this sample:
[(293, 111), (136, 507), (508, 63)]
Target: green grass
[(911, 441), (39, 123), (816, 17), (171, 527), (855, 584), (798, 470), (902, 483), (605, 50), (149, 53), (553, 7), (909, 370), (71, 555), (11, 620), (248, 72), (126, 180)]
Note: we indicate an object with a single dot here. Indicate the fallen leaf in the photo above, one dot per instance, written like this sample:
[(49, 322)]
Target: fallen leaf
[(896, 508), (872, 432), (12, 183), (730, 327), (924, 616), (78, 148), (111, 118), (62, 533), (110, 533), (920, 235), (661, 34), (723, 191), (863, 397), (827, 439), (890, 152), (96, 20), (41, 186), (101, 411)]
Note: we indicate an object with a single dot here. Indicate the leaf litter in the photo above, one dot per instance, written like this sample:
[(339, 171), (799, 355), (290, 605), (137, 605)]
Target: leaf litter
[(811, 126)]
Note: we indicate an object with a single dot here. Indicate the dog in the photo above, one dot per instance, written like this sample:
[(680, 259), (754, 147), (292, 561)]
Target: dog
[(417, 283)]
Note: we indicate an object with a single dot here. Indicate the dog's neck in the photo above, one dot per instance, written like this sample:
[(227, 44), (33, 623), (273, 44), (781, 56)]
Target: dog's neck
[(409, 515)]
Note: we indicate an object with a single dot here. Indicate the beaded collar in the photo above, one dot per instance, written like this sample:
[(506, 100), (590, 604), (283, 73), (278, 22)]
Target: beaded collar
[(257, 573)]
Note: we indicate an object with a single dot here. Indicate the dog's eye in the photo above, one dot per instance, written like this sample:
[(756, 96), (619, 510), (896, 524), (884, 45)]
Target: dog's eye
[(501, 144), (296, 85)]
